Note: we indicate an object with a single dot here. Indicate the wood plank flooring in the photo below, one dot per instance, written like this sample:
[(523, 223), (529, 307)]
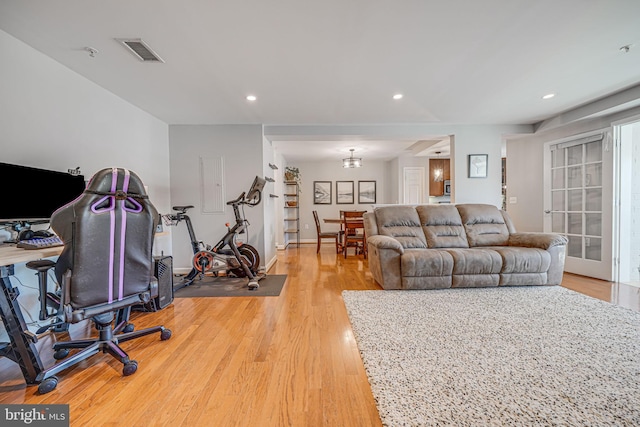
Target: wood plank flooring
[(239, 361)]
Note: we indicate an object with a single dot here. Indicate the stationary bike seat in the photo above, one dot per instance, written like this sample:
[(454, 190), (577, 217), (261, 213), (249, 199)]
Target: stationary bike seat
[(182, 208)]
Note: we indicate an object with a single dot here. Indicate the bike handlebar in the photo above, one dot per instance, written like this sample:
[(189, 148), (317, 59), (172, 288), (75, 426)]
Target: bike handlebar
[(237, 201)]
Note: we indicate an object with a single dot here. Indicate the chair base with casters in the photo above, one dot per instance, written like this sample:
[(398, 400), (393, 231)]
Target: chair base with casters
[(107, 342)]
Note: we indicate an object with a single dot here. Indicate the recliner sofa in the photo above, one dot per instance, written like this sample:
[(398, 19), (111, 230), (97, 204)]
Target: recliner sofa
[(458, 246)]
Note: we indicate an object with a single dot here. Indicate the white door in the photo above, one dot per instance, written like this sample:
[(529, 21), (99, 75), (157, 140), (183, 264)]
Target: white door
[(627, 190), (579, 201), (413, 180)]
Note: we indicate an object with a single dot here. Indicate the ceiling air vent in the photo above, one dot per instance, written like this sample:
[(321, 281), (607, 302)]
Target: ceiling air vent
[(140, 49)]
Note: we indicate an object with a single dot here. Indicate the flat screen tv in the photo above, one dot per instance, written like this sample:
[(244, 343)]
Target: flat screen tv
[(255, 192), (32, 194)]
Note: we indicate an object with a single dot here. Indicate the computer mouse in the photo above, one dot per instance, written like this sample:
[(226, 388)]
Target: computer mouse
[(41, 234), (25, 235)]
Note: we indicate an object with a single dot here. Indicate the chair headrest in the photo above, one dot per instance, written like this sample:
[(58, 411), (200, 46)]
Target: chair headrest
[(115, 181)]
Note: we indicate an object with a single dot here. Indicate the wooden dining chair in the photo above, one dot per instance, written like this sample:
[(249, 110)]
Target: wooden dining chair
[(335, 235), (353, 236)]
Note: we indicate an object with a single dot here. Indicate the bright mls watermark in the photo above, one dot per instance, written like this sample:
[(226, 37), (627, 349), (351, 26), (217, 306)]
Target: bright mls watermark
[(34, 415)]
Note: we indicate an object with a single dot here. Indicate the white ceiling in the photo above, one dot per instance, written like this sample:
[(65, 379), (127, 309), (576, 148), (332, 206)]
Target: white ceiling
[(337, 62)]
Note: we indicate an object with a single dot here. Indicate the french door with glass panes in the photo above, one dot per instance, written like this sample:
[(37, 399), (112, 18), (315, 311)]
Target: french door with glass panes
[(578, 202)]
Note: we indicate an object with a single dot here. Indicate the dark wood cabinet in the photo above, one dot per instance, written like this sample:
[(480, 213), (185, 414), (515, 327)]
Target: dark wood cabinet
[(436, 188)]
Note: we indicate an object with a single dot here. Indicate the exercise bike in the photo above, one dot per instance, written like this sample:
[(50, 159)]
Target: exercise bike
[(235, 259)]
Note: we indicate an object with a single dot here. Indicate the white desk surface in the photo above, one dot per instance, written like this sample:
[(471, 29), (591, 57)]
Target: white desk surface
[(9, 254)]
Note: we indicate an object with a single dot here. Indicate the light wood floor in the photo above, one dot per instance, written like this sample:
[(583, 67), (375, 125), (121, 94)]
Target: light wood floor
[(252, 361)]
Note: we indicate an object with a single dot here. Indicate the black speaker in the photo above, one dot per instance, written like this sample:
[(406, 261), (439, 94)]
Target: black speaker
[(163, 270)]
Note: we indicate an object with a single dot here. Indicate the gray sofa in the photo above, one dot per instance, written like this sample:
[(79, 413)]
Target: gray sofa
[(455, 246)]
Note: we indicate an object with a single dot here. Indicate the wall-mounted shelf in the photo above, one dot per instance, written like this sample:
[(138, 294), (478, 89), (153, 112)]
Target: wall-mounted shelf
[(273, 195)]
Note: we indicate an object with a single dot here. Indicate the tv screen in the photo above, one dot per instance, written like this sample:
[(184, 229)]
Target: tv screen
[(32, 194), (256, 188)]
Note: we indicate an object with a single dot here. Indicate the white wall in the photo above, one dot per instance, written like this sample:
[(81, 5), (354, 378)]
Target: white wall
[(333, 171), (392, 177), (270, 206), (52, 118), (465, 140), (525, 166), (241, 147)]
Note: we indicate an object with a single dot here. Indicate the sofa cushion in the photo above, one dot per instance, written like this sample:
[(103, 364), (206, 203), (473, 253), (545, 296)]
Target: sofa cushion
[(523, 260), (475, 267), (484, 225), (401, 223), (422, 263), (442, 226), (476, 261)]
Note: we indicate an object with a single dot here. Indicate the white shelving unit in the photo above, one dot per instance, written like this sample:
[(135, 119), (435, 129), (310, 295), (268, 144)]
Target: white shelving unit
[(292, 211)]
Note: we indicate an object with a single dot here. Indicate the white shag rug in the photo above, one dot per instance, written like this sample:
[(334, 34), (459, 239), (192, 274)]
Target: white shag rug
[(513, 356)]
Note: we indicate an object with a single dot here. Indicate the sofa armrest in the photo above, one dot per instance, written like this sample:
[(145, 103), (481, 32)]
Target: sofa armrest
[(385, 242), (385, 261), (537, 240)]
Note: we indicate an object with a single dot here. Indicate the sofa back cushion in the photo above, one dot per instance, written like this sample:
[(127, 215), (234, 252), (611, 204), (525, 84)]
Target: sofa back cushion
[(401, 223), (484, 225), (442, 226)]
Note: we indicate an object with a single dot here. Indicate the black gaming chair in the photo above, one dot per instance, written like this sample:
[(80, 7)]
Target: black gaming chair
[(106, 266)]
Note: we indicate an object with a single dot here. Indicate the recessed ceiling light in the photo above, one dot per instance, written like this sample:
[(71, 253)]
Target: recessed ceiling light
[(251, 98), (397, 96), (549, 96)]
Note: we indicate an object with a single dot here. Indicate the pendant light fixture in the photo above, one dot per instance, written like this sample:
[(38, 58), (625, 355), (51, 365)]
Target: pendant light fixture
[(438, 172), (352, 162)]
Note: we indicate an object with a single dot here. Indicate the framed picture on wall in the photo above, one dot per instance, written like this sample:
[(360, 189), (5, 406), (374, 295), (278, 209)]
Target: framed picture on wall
[(344, 192), (321, 192), (478, 165), (366, 192)]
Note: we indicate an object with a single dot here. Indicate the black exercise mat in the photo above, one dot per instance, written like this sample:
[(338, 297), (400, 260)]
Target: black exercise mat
[(210, 286)]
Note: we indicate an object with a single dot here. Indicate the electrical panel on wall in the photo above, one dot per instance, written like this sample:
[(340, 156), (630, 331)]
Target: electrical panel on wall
[(212, 190)]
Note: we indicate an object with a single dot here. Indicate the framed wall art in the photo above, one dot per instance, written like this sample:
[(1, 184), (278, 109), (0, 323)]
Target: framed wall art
[(478, 165), (366, 192), (344, 192), (321, 192)]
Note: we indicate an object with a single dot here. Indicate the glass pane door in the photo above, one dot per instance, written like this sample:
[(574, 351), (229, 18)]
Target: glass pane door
[(576, 204)]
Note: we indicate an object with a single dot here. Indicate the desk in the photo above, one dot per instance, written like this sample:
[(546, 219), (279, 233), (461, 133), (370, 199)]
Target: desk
[(22, 349)]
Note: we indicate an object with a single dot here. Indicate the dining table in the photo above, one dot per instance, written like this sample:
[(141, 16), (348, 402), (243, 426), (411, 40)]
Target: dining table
[(358, 221)]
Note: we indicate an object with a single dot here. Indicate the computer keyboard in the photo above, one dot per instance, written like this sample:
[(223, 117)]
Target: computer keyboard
[(40, 243)]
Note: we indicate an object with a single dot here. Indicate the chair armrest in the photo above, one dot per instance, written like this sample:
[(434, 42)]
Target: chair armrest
[(537, 240), (385, 242)]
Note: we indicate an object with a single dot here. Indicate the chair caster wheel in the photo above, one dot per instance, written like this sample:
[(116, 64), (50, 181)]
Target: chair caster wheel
[(47, 385), (130, 368), (253, 286), (61, 353), (129, 328), (165, 334)]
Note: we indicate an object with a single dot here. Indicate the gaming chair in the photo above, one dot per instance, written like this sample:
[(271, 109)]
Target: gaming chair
[(106, 266)]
